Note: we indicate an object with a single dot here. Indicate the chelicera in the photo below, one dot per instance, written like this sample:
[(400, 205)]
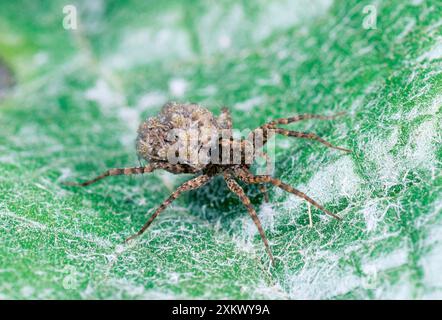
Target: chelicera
[(160, 142)]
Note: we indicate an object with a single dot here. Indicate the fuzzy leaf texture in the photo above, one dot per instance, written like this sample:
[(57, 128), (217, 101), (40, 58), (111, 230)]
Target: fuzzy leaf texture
[(71, 101)]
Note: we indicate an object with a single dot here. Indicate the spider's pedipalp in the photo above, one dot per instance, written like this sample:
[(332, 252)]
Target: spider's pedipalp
[(306, 135), (248, 177), (195, 183), (263, 189), (236, 189), (225, 119)]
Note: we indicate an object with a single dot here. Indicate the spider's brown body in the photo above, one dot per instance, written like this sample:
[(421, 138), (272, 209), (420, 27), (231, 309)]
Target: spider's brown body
[(156, 138), (160, 138)]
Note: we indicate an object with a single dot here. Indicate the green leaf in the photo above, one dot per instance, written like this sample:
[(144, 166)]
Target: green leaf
[(71, 100)]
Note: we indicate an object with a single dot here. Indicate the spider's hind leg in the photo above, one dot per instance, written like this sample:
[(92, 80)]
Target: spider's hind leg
[(114, 172)]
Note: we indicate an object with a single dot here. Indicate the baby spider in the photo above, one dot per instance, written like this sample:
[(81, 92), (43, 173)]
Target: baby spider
[(186, 138)]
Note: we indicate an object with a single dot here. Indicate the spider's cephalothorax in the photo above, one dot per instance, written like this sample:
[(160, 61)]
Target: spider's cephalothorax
[(171, 140)]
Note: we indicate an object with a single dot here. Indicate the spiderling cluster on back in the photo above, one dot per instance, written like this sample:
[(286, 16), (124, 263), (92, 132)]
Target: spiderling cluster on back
[(187, 138)]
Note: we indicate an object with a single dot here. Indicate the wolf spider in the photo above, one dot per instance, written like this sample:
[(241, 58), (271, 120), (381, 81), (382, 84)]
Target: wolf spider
[(154, 140)]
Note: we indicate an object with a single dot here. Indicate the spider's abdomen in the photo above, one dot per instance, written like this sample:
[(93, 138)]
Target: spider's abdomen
[(159, 138)]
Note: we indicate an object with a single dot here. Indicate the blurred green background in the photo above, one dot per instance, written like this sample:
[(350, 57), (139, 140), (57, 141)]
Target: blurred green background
[(71, 100)]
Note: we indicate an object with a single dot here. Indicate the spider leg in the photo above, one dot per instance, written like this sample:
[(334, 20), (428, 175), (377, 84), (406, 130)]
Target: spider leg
[(114, 172), (266, 128), (300, 117), (305, 135), (247, 177), (195, 183), (177, 168), (236, 188)]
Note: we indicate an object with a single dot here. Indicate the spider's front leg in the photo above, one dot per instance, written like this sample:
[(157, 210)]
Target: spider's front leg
[(307, 135), (186, 186), (246, 176), (300, 117), (236, 189), (265, 130)]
